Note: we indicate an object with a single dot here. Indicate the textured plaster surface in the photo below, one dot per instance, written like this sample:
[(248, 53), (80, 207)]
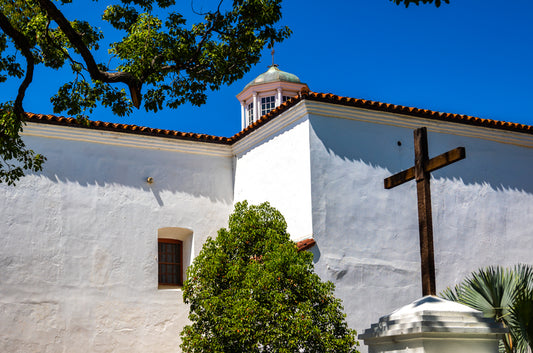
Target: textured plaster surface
[(367, 237), (278, 170), (79, 245)]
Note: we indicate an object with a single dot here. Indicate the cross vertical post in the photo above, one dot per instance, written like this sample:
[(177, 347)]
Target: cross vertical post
[(421, 173), (425, 222)]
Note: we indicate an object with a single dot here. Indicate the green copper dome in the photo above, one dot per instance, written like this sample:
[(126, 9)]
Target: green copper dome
[(273, 74)]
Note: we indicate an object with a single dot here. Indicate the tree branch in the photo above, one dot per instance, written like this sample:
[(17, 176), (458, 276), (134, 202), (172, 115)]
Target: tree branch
[(65, 52), (188, 64), (76, 40), (25, 47)]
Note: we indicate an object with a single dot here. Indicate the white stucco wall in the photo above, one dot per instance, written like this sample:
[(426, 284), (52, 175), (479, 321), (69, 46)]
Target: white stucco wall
[(78, 241), (272, 164), (367, 237), (78, 245)]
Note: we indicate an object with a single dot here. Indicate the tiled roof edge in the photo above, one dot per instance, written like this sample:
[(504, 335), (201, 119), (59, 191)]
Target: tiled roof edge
[(125, 128), (267, 117), (303, 95), (416, 112)]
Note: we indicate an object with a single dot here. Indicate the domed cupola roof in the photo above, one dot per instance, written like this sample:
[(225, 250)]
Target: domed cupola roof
[(273, 74)]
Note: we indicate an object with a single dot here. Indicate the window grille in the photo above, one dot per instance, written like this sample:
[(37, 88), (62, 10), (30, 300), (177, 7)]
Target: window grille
[(267, 104), (170, 255)]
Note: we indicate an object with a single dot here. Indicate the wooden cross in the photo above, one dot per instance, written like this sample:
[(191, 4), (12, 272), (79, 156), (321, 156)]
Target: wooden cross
[(421, 172)]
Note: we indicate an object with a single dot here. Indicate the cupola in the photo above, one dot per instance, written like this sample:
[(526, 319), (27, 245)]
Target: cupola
[(267, 91)]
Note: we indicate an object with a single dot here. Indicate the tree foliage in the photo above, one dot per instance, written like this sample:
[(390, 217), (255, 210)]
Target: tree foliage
[(505, 295), (14, 156), (160, 58), (250, 290), (417, 2)]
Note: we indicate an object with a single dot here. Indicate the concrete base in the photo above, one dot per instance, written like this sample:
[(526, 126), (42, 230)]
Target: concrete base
[(434, 325)]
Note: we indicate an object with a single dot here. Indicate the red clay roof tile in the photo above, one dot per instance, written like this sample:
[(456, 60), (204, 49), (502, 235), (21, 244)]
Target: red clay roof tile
[(305, 94), (411, 111), (305, 244), (139, 130)]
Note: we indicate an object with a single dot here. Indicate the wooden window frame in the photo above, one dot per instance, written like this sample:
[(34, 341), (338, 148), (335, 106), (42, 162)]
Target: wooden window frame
[(179, 263)]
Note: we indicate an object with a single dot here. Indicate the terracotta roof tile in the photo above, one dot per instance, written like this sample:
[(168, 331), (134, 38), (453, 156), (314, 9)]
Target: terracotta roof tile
[(305, 244), (304, 94), (134, 129), (386, 107), (411, 111)]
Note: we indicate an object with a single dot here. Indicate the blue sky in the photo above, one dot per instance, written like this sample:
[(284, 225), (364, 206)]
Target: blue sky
[(470, 57)]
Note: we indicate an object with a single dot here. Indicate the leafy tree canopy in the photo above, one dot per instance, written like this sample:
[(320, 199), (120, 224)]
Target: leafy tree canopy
[(417, 2), (250, 290), (160, 60)]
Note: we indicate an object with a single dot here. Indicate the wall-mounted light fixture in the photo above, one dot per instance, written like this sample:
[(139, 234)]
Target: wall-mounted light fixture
[(150, 180)]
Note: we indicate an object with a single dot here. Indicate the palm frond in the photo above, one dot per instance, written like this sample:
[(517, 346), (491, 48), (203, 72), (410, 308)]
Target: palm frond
[(522, 310), (450, 294), (489, 290), (506, 295)]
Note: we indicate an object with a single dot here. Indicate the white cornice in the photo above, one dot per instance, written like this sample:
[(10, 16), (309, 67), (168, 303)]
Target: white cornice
[(303, 109), (298, 112), (393, 119), (126, 139)]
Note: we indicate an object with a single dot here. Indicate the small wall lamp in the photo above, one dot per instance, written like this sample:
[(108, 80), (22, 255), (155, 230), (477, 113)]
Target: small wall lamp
[(150, 180)]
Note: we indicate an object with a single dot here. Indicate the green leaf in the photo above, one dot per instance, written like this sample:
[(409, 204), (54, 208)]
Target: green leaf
[(169, 62), (250, 290)]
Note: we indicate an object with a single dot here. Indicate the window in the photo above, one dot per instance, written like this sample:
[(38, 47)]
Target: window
[(174, 250), (250, 113), (267, 104), (170, 259)]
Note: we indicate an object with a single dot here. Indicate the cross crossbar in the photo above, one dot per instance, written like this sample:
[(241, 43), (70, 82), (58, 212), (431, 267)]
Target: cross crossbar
[(433, 164)]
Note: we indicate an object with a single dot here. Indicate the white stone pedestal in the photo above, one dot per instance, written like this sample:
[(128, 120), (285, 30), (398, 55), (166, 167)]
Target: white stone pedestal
[(434, 325)]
